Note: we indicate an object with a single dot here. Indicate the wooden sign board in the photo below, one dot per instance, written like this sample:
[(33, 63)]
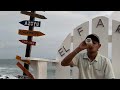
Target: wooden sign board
[(25, 61), (30, 23), (30, 33), (28, 42), (33, 15), (25, 70)]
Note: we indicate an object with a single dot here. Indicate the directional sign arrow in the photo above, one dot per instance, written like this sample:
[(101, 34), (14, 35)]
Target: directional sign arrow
[(33, 15), (30, 33), (28, 42), (25, 61), (25, 70), (30, 23)]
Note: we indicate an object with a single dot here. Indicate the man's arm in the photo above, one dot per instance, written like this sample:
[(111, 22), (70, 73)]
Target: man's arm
[(68, 59)]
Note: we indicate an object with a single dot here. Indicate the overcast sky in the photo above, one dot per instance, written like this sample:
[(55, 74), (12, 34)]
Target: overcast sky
[(56, 27)]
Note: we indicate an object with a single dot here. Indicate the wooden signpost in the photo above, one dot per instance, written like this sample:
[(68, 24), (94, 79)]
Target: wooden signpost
[(30, 33)]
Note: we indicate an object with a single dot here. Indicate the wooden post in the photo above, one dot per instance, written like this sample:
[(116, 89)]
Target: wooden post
[(28, 47)]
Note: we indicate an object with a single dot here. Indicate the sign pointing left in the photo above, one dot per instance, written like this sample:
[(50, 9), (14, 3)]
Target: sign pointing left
[(28, 42), (25, 61), (30, 23)]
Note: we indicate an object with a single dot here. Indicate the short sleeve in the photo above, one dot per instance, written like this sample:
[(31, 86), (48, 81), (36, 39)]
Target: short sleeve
[(76, 59), (109, 73)]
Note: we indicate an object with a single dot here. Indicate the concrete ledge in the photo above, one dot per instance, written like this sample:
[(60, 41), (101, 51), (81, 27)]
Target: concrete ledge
[(39, 59)]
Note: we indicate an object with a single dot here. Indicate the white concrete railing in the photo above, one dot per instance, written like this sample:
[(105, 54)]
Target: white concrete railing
[(39, 66)]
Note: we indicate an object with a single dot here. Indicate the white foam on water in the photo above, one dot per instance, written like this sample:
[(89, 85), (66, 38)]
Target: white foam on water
[(7, 77)]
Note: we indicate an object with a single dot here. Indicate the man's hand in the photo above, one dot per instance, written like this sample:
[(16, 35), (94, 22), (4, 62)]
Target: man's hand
[(82, 46)]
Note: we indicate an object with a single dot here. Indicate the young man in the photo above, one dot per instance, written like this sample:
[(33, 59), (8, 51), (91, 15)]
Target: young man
[(91, 64)]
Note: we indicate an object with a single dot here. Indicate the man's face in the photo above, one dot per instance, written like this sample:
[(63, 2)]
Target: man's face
[(94, 48)]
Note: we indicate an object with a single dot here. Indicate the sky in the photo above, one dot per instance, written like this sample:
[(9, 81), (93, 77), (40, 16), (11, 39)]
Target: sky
[(56, 27)]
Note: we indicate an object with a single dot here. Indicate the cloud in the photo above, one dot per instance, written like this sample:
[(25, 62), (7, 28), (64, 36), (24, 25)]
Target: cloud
[(7, 13), (56, 27), (2, 45), (115, 15)]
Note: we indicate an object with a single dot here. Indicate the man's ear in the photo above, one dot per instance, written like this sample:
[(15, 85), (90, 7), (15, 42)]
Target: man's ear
[(99, 45)]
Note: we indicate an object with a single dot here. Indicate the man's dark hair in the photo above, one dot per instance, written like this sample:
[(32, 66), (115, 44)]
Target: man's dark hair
[(94, 37)]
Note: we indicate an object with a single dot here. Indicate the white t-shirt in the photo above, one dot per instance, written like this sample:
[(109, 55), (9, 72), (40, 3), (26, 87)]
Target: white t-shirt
[(100, 68)]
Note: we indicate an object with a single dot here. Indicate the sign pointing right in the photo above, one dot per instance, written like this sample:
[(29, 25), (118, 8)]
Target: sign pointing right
[(33, 15), (25, 70), (30, 33)]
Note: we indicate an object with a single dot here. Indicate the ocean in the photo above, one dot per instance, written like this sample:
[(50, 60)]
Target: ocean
[(8, 67)]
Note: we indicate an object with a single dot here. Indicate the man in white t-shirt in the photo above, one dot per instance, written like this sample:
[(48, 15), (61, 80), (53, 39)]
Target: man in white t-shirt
[(91, 64)]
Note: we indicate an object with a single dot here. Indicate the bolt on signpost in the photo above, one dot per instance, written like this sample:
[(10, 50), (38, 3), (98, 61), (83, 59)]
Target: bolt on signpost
[(30, 33)]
